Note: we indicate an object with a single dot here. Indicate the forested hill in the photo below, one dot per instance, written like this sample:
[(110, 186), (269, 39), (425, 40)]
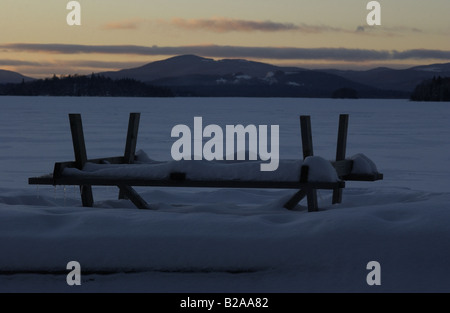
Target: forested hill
[(91, 85), (436, 89)]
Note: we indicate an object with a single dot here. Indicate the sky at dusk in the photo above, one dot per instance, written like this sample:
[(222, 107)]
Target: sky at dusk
[(114, 34)]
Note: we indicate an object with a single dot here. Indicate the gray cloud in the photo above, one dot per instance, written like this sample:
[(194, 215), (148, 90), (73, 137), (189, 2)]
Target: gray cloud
[(280, 53), (18, 63), (402, 29), (383, 31), (222, 25), (78, 49), (70, 63), (99, 64), (421, 54)]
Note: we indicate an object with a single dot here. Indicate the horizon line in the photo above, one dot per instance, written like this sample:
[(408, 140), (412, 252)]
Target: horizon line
[(227, 51), (133, 65)]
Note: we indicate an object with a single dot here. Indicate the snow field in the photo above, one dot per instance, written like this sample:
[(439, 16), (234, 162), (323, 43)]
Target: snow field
[(225, 239)]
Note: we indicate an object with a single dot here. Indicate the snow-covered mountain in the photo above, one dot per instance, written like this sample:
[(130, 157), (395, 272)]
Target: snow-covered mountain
[(185, 65), (193, 75), (12, 77), (387, 78)]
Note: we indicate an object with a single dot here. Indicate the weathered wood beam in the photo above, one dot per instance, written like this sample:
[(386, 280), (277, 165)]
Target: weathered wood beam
[(364, 177), (295, 199), (311, 195), (307, 144), (145, 182), (342, 137), (131, 194), (341, 150), (79, 148), (130, 145), (299, 195), (132, 135), (87, 198)]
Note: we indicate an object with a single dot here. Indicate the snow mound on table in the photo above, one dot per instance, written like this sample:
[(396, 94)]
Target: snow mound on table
[(146, 168), (320, 170), (363, 165)]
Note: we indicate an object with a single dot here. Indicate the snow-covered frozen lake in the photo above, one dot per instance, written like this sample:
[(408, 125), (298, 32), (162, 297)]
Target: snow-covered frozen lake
[(224, 240)]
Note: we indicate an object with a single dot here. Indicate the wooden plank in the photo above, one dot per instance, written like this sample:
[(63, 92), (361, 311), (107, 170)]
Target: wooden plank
[(364, 177), (114, 181), (42, 180), (343, 168), (79, 148), (130, 145), (341, 151), (307, 143), (131, 194), (295, 199)]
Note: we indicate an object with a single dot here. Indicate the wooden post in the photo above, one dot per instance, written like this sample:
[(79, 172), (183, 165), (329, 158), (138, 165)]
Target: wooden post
[(312, 200), (307, 144), (305, 125), (130, 146), (79, 148), (340, 151)]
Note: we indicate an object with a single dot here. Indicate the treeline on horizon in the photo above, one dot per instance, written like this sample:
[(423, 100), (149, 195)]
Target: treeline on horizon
[(94, 85), (436, 89), (84, 86)]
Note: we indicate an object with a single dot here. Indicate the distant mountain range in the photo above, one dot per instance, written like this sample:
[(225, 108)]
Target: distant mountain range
[(190, 75), (194, 75), (8, 77), (386, 78), (187, 65)]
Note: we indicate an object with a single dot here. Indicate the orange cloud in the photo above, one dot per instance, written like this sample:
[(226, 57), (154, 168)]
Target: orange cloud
[(124, 25)]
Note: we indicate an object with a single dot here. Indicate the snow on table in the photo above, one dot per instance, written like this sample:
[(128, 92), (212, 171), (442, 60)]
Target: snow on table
[(321, 170), (363, 165)]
